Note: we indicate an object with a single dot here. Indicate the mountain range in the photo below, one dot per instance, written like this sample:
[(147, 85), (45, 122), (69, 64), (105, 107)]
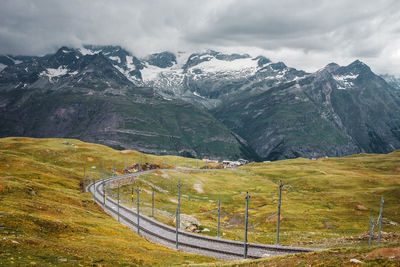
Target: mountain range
[(208, 104)]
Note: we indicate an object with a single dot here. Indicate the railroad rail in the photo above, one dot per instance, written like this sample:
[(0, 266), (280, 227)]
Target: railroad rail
[(163, 234)]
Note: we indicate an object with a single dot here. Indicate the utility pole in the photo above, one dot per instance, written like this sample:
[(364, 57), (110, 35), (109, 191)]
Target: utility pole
[(219, 205), (138, 216), (176, 228), (246, 217), (178, 219), (279, 212), (380, 222)]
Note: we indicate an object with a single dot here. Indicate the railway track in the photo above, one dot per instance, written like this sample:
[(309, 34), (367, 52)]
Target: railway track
[(165, 235)]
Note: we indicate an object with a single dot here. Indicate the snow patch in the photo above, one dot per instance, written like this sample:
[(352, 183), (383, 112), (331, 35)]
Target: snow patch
[(116, 59), (129, 63), (2, 67), (345, 81), (196, 94), (85, 51), (345, 77), (54, 73), (150, 72), (247, 65)]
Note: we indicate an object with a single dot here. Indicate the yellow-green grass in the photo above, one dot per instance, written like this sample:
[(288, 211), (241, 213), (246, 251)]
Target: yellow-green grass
[(387, 255), (46, 220), (322, 200)]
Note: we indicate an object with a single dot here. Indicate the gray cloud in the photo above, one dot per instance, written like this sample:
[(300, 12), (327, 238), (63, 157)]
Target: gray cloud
[(306, 34)]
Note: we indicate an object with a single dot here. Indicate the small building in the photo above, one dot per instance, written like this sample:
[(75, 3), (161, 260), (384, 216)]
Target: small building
[(210, 160), (231, 164)]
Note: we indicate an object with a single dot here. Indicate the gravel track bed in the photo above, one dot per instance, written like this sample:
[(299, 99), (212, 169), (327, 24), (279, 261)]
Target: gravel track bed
[(165, 235)]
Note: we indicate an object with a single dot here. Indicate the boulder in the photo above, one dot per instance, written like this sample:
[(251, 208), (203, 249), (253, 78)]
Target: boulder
[(188, 223)]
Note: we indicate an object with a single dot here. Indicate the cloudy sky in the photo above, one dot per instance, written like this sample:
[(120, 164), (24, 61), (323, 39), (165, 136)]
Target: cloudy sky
[(306, 34)]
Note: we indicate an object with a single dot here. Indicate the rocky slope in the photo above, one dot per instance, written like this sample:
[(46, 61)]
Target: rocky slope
[(84, 96), (392, 81), (336, 111)]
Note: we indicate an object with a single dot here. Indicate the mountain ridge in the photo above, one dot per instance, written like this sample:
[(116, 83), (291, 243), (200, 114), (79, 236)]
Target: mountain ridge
[(265, 109)]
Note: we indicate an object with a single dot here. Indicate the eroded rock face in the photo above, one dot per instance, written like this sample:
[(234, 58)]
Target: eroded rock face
[(188, 223)]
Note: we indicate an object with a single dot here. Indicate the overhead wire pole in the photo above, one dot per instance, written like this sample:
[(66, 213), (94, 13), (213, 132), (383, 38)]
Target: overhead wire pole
[(279, 213), (176, 228), (380, 221), (219, 205), (178, 218), (137, 211), (246, 217)]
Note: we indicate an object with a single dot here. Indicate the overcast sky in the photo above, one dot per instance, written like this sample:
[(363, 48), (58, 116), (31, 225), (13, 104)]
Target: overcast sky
[(306, 34)]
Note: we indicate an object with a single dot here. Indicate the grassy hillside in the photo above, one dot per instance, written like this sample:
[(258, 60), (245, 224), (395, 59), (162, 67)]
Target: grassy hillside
[(374, 256), (325, 202), (46, 220)]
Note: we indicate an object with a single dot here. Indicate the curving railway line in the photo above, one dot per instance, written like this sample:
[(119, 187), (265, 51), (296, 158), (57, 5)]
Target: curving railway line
[(165, 235)]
